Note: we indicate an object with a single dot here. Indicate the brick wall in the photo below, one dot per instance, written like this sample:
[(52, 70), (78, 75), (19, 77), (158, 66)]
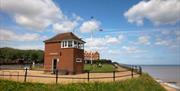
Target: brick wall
[(67, 58)]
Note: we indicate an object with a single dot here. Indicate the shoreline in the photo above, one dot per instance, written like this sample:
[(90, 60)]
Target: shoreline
[(168, 86)]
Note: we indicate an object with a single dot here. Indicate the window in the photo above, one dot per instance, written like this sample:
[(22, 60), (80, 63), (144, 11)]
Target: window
[(75, 44), (65, 43), (78, 45), (69, 43), (81, 46), (78, 59)]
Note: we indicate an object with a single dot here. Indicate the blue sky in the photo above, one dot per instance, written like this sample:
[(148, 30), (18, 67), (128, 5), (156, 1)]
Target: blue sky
[(134, 31)]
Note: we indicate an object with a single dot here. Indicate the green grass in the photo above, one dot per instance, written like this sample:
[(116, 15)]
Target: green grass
[(95, 68), (142, 83)]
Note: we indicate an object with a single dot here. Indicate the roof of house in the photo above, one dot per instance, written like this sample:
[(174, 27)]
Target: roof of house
[(64, 36)]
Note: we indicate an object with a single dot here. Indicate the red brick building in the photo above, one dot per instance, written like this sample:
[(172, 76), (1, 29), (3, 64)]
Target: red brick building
[(64, 52), (89, 54)]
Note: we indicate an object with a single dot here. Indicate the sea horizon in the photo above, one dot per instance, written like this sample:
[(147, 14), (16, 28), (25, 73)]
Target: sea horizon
[(152, 64)]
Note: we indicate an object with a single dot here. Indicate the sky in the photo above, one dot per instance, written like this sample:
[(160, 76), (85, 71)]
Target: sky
[(134, 31)]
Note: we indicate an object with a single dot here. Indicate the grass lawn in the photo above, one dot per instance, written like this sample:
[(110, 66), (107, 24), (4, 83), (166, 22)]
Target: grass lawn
[(95, 68), (142, 83)]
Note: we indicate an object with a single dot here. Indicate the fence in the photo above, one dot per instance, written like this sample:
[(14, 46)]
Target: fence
[(26, 74)]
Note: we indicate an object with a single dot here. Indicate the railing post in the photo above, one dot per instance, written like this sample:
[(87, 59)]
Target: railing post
[(135, 69), (140, 70), (25, 75), (56, 76), (3, 74), (114, 75), (18, 76), (88, 76), (132, 70)]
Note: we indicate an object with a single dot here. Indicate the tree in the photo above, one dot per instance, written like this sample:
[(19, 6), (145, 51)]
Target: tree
[(11, 55)]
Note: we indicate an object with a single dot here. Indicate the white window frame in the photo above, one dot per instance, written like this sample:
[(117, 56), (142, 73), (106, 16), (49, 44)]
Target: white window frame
[(68, 42), (75, 45), (78, 60), (64, 44), (79, 45)]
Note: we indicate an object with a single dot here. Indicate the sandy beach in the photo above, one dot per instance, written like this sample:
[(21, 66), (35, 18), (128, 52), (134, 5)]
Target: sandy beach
[(168, 88)]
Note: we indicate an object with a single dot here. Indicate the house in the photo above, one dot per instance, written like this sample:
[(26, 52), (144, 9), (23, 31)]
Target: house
[(88, 55), (64, 52)]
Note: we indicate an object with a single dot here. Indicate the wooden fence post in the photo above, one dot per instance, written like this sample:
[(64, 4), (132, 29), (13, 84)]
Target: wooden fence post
[(25, 75), (56, 76), (18, 76), (88, 76), (132, 70), (114, 75)]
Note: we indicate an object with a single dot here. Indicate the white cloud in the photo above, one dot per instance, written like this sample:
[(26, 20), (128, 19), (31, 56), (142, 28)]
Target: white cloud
[(112, 40), (31, 23), (76, 17), (91, 25), (102, 43), (107, 40), (130, 50), (165, 32), (38, 14), (95, 42), (12, 36), (121, 37), (64, 26), (114, 52), (157, 11), (168, 39), (99, 48), (162, 42), (144, 40), (125, 50), (26, 47), (67, 25)]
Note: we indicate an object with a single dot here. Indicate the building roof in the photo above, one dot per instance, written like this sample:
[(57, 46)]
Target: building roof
[(64, 36)]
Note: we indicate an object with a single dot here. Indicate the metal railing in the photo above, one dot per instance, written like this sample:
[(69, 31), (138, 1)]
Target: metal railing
[(133, 70)]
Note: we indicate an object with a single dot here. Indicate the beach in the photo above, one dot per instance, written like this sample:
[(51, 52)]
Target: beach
[(167, 75)]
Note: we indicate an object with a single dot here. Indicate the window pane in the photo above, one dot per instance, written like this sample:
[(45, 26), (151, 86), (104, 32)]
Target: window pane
[(75, 44), (69, 43), (79, 45), (65, 43)]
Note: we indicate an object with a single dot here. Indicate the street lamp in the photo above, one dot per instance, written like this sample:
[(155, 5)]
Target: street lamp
[(91, 49), (92, 40)]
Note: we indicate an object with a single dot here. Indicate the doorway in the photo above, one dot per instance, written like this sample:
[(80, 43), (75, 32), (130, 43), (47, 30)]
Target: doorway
[(54, 65)]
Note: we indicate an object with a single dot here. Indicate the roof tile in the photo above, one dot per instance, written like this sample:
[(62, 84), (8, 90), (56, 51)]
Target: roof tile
[(63, 36)]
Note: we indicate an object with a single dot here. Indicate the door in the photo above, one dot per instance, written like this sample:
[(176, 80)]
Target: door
[(54, 65)]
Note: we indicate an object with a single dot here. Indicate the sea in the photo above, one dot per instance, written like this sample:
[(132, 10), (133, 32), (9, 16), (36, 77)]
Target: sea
[(168, 74)]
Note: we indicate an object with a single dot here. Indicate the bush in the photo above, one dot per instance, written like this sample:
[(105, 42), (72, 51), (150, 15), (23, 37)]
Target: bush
[(102, 61)]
